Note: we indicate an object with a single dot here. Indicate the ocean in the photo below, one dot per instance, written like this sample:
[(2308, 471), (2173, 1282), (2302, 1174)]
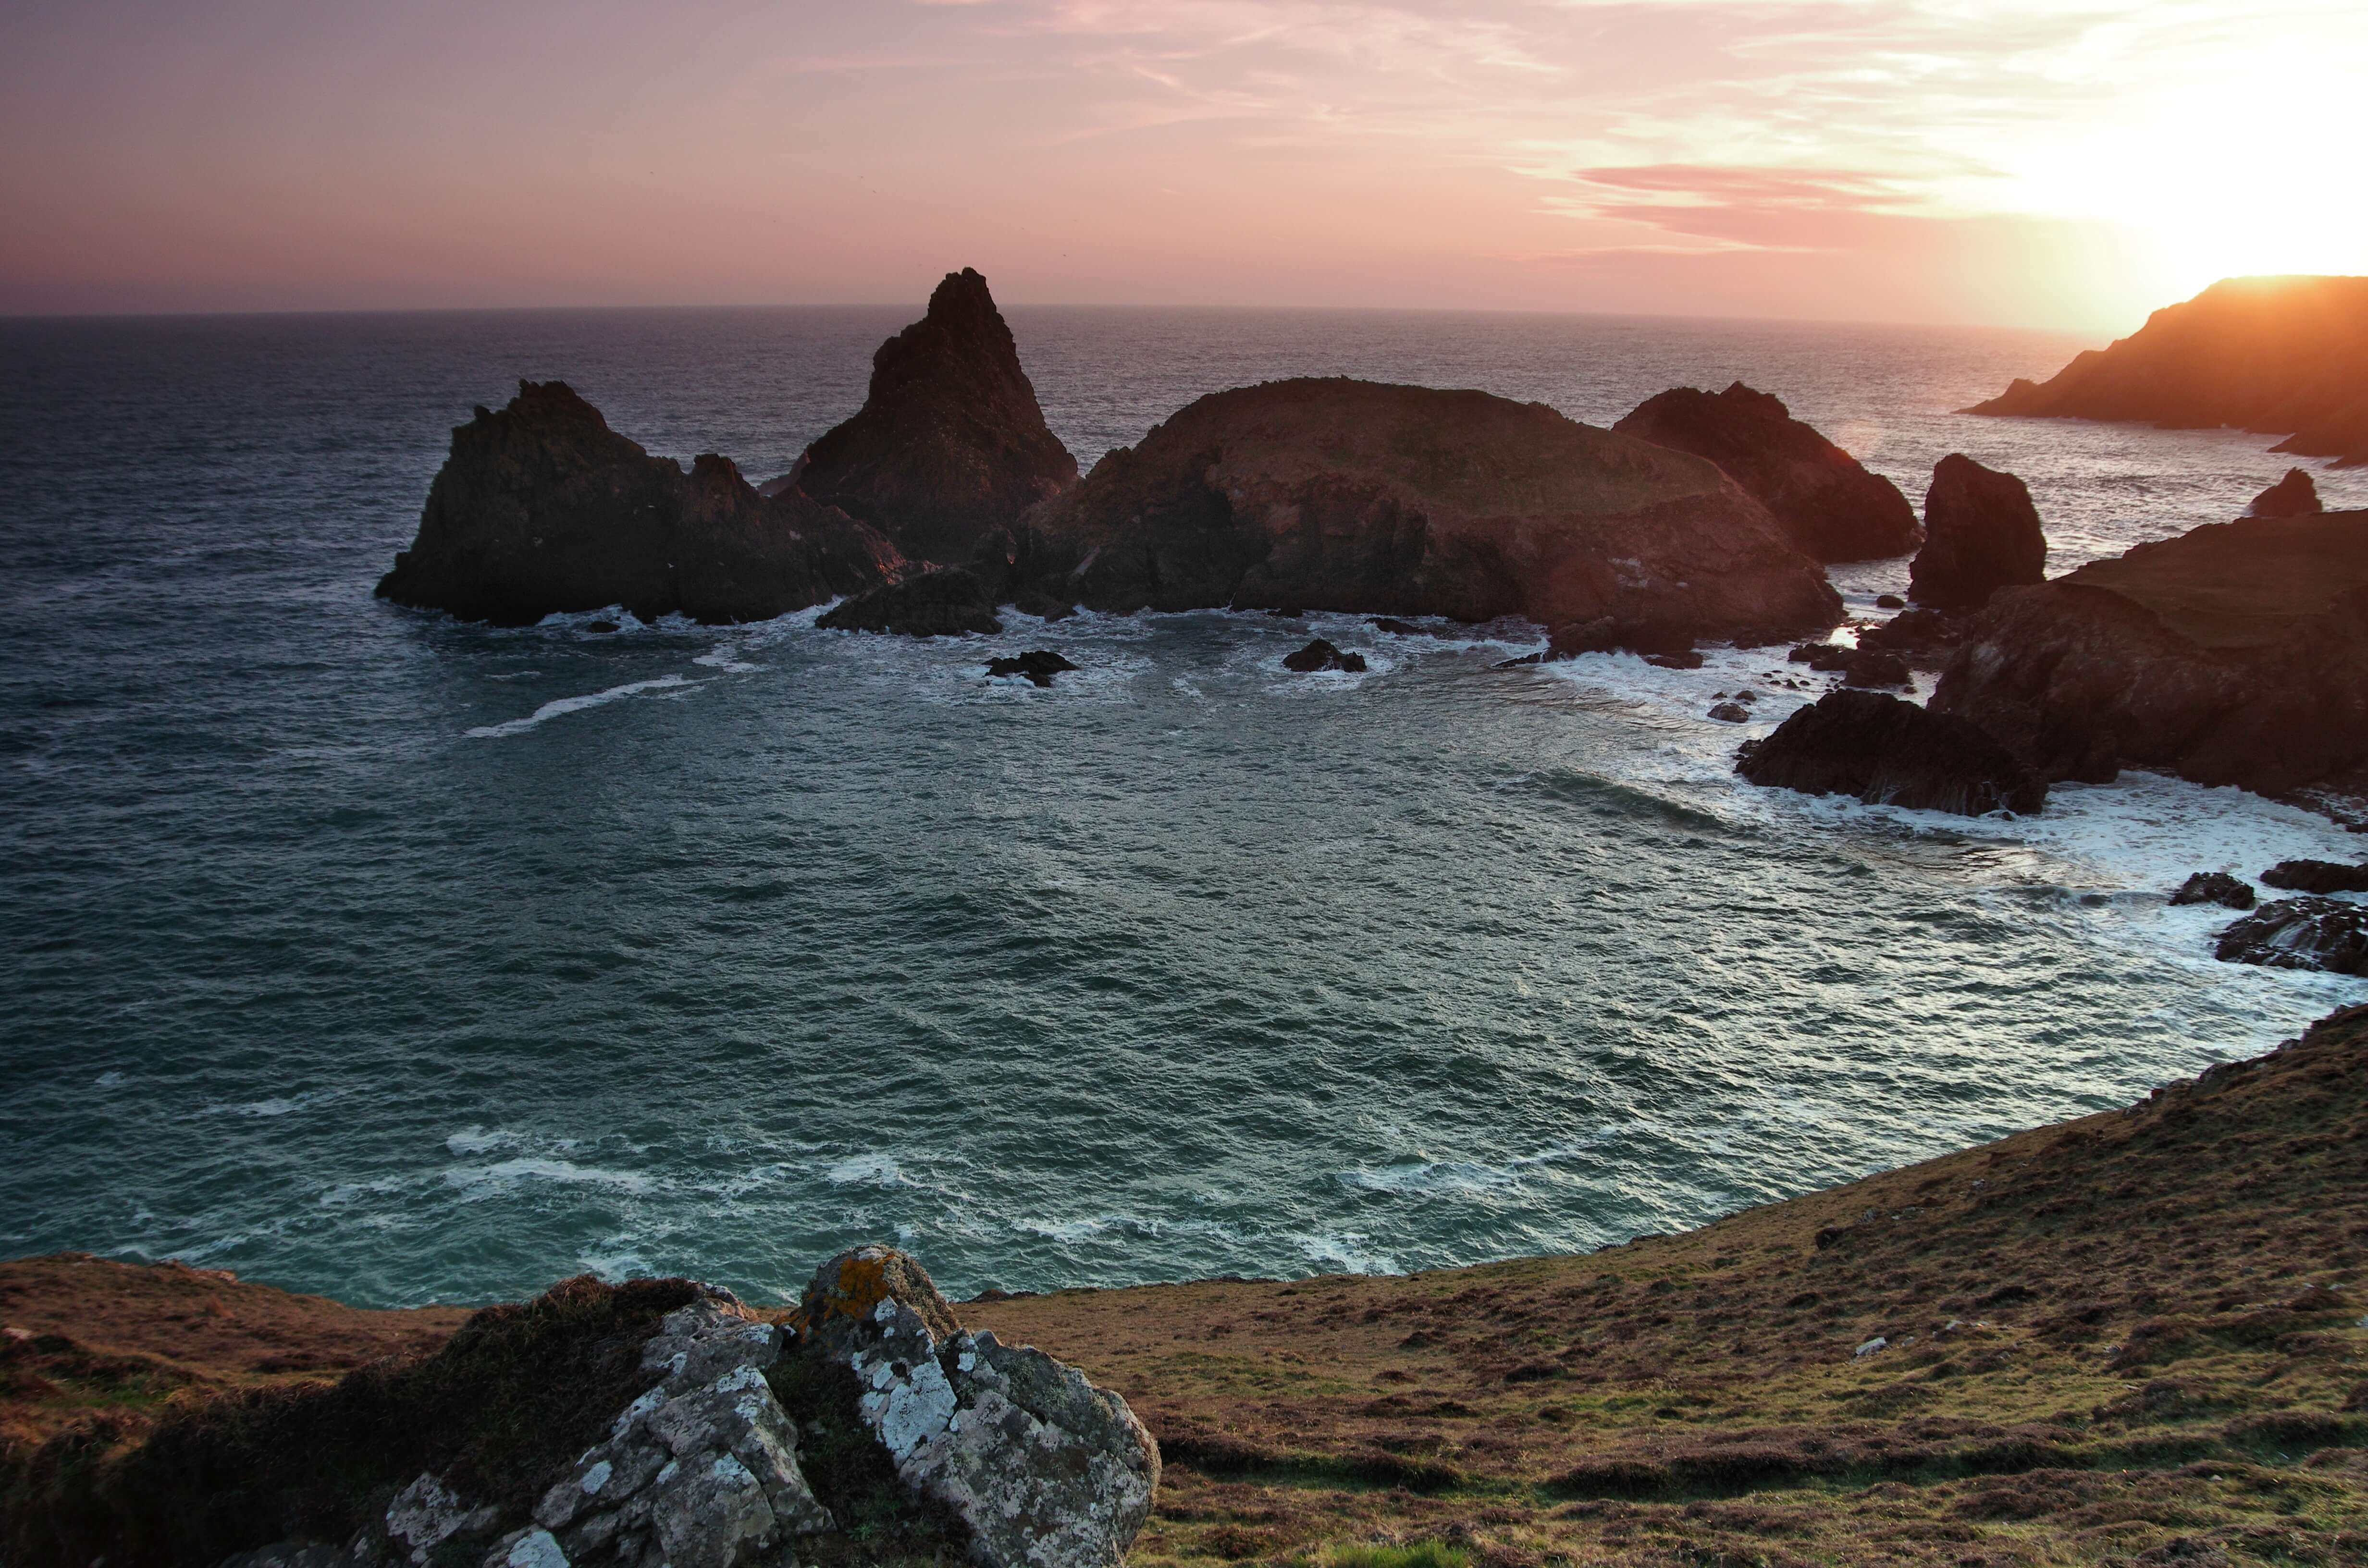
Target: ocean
[(367, 953)]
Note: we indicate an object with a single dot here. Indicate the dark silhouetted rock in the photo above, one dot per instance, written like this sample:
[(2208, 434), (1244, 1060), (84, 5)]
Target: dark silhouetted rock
[(2236, 653), (1871, 668), (1044, 606), (2328, 933), (2292, 497), (1408, 501), (1688, 660), (1731, 713), (1826, 658), (2316, 875), (1321, 655), (1039, 665), (1981, 534), (1887, 752), (2283, 356), (1617, 634), (2214, 887), (1889, 601), (1833, 508), (945, 602), (1925, 638), (950, 443), (1395, 627), (542, 508)]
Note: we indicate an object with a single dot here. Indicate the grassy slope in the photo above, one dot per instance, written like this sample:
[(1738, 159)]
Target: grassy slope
[(2157, 1356)]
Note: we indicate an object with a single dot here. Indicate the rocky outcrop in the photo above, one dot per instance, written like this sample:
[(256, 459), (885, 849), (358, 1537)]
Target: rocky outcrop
[(541, 509), (1322, 655), (2283, 356), (2214, 887), (1926, 638), (1408, 501), (2293, 496), (1038, 666), (2316, 875), (947, 602), (2236, 653), (2327, 933), (1888, 752), (1981, 534), (1833, 508), (950, 443)]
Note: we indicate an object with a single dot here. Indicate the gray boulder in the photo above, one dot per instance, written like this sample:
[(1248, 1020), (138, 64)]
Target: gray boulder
[(2328, 933)]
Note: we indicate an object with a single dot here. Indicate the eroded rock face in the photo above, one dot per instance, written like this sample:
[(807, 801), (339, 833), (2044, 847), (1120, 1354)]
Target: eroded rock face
[(2300, 933), (1888, 752), (1833, 508), (1408, 501), (1046, 1471), (950, 443), (2293, 496), (947, 602), (1981, 534), (541, 509)]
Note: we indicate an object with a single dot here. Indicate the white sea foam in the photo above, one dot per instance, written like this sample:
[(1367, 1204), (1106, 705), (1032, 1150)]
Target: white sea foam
[(615, 1266), (509, 1174), (865, 1170), (1342, 1252), (576, 705), (727, 659), (473, 1140), (109, 1080)]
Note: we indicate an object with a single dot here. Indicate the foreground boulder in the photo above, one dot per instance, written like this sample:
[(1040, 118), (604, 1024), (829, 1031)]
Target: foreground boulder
[(2236, 653), (1889, 752), (950, 443), (2295, 495), (1981, 534), (1833, 508), (2283, 356), (947, 602), (1408, 501), (541, 509), (2327, 933)]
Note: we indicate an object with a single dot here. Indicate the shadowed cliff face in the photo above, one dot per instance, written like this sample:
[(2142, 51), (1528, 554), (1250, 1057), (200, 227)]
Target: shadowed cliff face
[(542, 508), (1833, 508), (2279, 355), (1391, 500), (950, 443)]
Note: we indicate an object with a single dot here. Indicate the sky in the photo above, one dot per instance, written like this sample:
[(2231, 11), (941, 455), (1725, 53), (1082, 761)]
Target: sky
[(2065, 164)]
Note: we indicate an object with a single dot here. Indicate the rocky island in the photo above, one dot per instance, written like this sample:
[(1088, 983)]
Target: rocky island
[(2276, 356)]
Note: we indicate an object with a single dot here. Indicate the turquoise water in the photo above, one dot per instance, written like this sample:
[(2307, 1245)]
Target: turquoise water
[(367, 953)]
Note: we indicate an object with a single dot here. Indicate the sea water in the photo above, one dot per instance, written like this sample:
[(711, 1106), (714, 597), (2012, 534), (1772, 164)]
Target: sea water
[(370, 953)]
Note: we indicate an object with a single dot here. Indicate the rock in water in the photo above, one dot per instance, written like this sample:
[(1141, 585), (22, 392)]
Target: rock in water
[(1981, 534), (1321, 655), (2236, 653), (1039, 665), (1833, 508), (1408, 501), (1046, 1469), (2214, 887), (1872, 668), (1888, 752), (2293, 496), (947, 602), (2327, 933), (2316, 875), (542, 508), (950, 443)]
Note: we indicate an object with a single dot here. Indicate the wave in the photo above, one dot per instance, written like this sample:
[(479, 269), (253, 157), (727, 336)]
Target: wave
[(565, 705)]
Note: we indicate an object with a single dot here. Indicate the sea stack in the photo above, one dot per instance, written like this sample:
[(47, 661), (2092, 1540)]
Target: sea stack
[(2295, 495), (1833, 508), (541, 509), (1981, 534), (1408, 501), (950, 443)]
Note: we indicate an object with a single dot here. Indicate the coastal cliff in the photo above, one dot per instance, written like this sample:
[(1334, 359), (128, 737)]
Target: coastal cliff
[(1396, 500), (2276, 356)]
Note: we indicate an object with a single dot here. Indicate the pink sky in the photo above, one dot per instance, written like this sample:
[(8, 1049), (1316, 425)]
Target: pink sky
[(2008, 161)]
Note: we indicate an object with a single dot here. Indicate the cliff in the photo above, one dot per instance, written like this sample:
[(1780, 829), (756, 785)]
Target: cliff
[(2276, 356), (541, 509), (1392, 500), (2236, 653), (2133, 1337)]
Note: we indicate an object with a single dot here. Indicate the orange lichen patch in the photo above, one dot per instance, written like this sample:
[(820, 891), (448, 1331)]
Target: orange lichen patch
[(853, 1284)]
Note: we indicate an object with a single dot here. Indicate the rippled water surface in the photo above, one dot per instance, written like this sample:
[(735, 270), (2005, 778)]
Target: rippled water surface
[(368, 953)]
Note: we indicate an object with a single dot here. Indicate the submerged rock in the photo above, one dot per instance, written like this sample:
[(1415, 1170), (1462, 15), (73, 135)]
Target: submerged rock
[(2214, 887), (1044, 1469), (541, 509), (1039, 665), (1321, 655), (1410, 501), (2327, 933), (946, 602), (1833, 508), (2316, 875), (2295, 495), (1981, 534), (1888, 752), (950, 443)]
